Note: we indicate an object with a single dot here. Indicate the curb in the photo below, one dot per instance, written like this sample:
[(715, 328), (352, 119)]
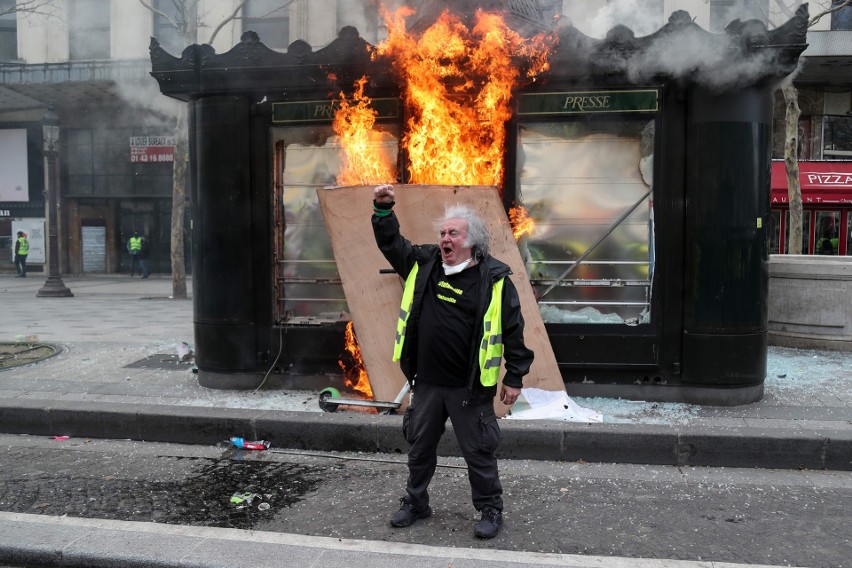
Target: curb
[(713, 446), (67, 541)]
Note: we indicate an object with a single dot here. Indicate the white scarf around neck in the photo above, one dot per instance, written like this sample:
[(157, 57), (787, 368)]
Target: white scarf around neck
[(450, 270)]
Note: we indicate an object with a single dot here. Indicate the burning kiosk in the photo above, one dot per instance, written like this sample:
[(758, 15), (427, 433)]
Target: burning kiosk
[(643, 162)]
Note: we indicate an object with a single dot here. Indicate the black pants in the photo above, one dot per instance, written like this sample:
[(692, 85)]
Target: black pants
[(477, 433), (141, 262), (21, 264)]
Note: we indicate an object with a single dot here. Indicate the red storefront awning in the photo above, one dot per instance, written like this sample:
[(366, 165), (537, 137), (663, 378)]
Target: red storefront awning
[(823, 183)]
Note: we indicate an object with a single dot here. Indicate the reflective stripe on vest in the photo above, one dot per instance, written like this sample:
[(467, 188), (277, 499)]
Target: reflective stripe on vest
[(135, 244), (404, 312), (23, 246), (491, 348)]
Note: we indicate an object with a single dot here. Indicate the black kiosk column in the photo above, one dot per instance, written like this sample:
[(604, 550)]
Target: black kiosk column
[(223, 276), (727, 267)]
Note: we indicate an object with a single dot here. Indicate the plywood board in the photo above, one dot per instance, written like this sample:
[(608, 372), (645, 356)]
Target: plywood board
[(374, 297)]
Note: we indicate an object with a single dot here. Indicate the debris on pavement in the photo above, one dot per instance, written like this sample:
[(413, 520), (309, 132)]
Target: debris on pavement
[(185, 353), (539, 404), (244, 444)]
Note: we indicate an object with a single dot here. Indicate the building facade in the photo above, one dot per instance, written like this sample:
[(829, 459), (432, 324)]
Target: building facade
[(88, 59)]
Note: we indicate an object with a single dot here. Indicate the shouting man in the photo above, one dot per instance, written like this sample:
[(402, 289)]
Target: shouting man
[(460, 317)]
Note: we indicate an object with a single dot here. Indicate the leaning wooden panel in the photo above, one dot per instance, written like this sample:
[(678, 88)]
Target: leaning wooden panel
[(374, 298)]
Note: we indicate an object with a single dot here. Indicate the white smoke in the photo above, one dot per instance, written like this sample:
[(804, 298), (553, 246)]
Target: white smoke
[(707, 55), (152, 108), (642, 16)]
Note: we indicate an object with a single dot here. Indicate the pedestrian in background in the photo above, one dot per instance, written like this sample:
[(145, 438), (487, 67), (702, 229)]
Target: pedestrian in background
[(22, 250), (460, 317), (137, 247)]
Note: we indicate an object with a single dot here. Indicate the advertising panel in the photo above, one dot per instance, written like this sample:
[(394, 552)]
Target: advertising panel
[(35, 233), (14, 179)]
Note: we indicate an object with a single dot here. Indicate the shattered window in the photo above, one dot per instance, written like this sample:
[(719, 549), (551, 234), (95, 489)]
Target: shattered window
[(587, 185), (309, 288)]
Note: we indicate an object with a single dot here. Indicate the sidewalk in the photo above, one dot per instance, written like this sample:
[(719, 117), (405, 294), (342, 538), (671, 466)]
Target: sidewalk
[(115, 378), (68, 541)]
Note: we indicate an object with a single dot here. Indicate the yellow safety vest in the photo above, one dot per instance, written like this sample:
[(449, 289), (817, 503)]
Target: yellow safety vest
[(491, 348), (135, 244), (404, 312), (23, 246)]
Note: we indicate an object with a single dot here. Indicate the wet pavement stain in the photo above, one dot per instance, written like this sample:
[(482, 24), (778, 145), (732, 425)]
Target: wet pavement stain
[(203, 497)]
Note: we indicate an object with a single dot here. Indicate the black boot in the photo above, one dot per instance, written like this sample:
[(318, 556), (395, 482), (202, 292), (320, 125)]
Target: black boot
[(490, 523), (407, 514)]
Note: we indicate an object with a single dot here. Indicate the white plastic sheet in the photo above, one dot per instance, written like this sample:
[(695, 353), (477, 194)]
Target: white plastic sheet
[(538, 404)]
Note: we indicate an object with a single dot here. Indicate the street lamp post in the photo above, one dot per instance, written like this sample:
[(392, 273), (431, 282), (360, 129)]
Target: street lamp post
[(53, 287)]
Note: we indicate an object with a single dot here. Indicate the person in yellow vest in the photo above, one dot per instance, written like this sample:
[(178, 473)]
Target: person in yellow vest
[(137, 247), (460, 318), (22, 250)]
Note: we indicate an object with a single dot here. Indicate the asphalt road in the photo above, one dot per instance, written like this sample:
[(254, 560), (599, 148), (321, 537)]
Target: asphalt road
[(798, 518)]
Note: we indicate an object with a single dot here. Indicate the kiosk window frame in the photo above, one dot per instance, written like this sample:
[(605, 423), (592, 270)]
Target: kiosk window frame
[(591, 256)]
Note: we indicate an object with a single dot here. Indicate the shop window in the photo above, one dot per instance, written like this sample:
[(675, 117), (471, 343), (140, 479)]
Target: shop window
[(806, 231), (88, 29), (773, 232), (841, 19), (849, 233), (8, 31), (308, 288), (588, 262), (837, 137), (827, 232), (271, 20)]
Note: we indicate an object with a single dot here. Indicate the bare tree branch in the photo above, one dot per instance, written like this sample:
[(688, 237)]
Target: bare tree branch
[(230, 18), (39, 7), (168, 18), (829, 10)]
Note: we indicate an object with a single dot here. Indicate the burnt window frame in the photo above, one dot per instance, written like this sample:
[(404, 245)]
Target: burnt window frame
[(278, 161), (512, 180)]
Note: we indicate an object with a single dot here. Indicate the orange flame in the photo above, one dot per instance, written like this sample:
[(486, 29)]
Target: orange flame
[(457, 87), (364, 163), (352, 364), (522, 224)]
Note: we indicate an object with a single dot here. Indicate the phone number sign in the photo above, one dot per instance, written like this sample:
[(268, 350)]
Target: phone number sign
[(152, 149)]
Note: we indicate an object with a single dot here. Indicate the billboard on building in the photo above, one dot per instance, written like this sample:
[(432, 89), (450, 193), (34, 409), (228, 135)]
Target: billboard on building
[(14, 178)]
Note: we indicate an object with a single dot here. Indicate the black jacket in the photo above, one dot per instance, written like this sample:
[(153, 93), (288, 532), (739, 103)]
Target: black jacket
[(402, 255)]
